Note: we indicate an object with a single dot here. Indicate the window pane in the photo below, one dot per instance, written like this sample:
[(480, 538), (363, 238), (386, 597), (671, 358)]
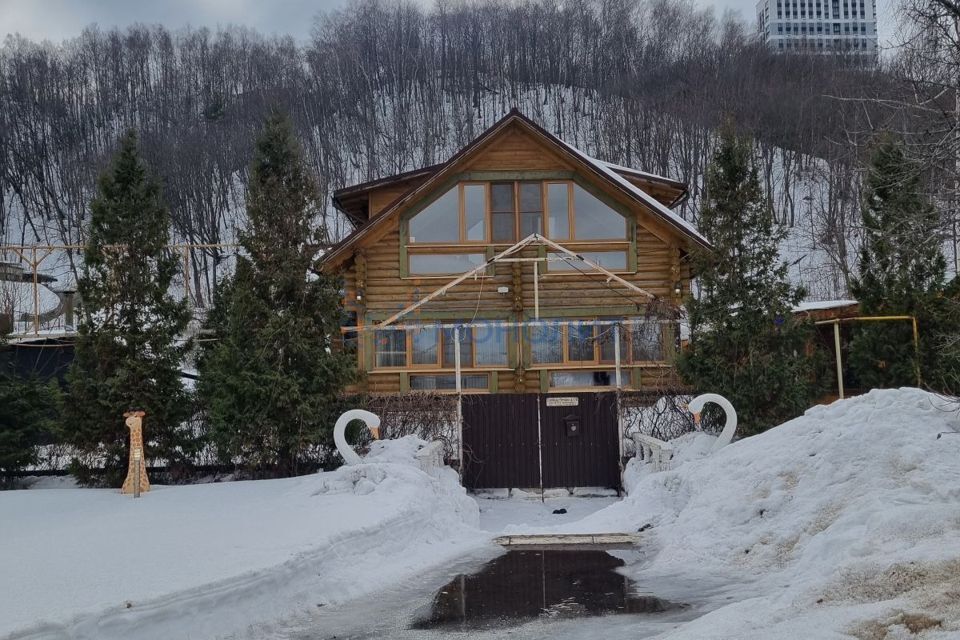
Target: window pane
[(608, 353), (502, 227), (448, 382), (444, 263), (391, 348), (475, 211), (466, 348), (501, 194), (546, 344), (557, 208), (611, 260), (580, 342), (425, 345), (647, 341), (491, 344), (531, 198), (439, 222), (577, 379), (594, 220), (531, 222)]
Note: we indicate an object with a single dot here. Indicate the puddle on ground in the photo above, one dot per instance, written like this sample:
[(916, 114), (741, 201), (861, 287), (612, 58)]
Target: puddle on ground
[(525, 585)]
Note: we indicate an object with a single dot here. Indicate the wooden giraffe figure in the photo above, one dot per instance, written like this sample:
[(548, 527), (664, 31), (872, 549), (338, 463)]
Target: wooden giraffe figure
[(134, 420)]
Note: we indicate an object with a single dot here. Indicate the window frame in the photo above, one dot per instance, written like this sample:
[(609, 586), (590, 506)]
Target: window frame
[(438, 363), (545, 191), (598, 361), (463, 374), (491, 212), (518, 211), (377, 352), (462, 211), (465, 251), (626, 243), (609, 247)]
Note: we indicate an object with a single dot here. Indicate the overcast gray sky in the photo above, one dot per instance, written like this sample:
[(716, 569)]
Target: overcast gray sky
[(59, 19)]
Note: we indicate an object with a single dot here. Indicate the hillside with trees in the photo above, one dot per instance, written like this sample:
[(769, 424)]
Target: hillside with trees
[(384, 87)]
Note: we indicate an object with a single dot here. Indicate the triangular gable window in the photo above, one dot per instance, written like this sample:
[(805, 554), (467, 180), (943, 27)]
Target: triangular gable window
[(439, 221)]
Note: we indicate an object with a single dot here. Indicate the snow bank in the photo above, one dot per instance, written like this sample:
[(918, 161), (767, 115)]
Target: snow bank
[(820, 305), (686, 448), (205, 560), (843, 521)]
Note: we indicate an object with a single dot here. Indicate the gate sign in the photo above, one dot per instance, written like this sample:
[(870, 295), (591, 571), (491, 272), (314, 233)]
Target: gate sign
[(563, 401)]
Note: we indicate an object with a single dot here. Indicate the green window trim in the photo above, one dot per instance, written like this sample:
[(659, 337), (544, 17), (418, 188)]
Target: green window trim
[(492, 381), (442, 317), (589, 313)]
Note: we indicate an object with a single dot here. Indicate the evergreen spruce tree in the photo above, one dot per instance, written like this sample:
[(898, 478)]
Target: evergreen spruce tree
[(129, 346), (271, 379), (27, 412), (902, 272), (746, 343), (945, 376)]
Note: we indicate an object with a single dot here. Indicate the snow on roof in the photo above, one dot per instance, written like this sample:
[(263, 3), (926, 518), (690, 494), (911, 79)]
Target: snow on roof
[(605, 168), (817, 305), (637, 172)]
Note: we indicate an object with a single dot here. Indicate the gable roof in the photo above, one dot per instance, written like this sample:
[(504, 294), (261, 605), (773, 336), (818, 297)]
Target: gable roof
[(429, 177), (354, 200)]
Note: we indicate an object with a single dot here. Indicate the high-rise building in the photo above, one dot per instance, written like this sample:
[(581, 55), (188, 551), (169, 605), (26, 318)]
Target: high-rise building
[(819, 26)]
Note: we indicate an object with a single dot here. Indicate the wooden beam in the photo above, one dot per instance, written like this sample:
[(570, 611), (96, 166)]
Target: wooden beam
[(532, 239)]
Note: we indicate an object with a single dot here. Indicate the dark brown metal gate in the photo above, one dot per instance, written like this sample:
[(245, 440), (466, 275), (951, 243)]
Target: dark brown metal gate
[(500, 441), (573, 441)]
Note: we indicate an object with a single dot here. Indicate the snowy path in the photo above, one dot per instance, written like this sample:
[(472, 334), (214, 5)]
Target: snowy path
[(527, 515), (398, 606)]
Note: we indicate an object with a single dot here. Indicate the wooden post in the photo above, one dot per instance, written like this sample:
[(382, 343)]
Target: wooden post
[(916, 344), (36, 294), (536, 291), (136, 481), (186, 272)]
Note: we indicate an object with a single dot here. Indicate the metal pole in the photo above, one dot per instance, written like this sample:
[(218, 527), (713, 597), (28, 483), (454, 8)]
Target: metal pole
[(540, 446), (616, 352), (456, 364), (616, 356), (836, 346)]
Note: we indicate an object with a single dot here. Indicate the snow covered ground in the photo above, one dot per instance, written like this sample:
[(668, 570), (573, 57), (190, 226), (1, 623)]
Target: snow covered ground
[(842, 523), (205, 560)]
